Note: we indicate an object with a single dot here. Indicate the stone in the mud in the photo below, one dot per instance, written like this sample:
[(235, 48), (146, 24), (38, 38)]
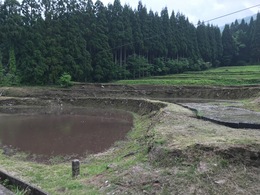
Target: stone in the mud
[(8, 151), (112, 166)]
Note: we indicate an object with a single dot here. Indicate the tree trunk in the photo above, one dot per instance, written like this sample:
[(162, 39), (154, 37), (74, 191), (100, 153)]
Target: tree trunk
[(121, 57), (115, 57)]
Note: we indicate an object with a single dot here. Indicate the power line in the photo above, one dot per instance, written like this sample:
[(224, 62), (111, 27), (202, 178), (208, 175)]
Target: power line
[(231, 13)]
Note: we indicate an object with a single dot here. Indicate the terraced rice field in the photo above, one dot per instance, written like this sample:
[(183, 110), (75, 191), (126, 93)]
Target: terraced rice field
[(224, 76)]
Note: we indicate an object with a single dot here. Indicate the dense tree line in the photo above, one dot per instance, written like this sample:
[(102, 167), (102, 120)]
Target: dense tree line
[(241, 42), (40, 40)]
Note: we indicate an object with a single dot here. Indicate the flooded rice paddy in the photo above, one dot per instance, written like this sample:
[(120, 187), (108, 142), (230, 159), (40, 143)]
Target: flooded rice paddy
[(230, 115), (62, 131)]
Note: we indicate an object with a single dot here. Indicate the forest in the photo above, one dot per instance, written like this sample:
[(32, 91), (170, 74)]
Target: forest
[(41, 40)]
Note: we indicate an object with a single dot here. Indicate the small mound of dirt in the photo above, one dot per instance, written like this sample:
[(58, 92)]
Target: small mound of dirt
[(248, 155)]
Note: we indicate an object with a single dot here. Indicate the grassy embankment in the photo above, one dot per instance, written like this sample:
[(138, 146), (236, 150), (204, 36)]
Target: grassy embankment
[(236, 75)]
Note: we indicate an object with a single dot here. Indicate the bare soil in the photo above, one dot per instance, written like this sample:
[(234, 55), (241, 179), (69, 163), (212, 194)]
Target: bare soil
[(134, 91), (225, 114)]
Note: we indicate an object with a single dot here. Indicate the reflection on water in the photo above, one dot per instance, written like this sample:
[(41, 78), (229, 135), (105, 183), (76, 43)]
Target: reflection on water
[(64, 131)]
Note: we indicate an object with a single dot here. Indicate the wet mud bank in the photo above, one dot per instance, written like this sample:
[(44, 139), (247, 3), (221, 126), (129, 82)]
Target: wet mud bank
[(139, 106), (226, 115), (135, 91), (154, 91)]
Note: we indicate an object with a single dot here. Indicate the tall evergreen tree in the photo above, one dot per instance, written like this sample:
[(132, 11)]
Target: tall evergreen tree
[(116, 31), (219, 46), (256, 41), (167, 32), (1, 70), (229, 47), (182, 32), (137, 33), (204, 42), (157, 46), (173, 50), (212, 43), (192, 42), (143, 16), (103, 59), (128, 47)]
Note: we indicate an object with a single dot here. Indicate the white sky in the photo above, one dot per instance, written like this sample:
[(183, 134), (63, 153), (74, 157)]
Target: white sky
[(199, 9)]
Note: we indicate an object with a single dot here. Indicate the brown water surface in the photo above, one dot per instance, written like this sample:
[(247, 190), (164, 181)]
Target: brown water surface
[(63, 131)]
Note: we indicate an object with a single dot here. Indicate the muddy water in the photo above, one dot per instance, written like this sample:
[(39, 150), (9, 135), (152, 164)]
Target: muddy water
[(52, 132)]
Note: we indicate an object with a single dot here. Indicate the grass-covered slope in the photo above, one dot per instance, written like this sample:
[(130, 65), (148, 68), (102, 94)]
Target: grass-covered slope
[(235, 75)]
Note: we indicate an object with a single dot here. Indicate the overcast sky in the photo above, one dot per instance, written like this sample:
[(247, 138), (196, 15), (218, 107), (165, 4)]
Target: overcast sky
[(199, 9)]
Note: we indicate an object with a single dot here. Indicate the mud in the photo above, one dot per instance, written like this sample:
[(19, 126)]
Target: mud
[(135, 91), (227, 115), (139, 106), (153, 91), (69, 132), (248, 155)]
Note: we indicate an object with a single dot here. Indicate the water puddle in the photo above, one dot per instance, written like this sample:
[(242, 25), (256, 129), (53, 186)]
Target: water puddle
[(60, 132)]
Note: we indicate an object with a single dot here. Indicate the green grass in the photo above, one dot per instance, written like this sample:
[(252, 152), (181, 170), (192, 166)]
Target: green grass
[(224, 76)]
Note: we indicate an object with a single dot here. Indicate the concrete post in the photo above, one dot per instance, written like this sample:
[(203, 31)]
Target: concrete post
[(75, 168)]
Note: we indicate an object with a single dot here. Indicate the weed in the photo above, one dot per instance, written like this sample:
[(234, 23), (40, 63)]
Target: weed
[(223, 163), (17, 191), (199, 114), (13, 188), (160, 141)]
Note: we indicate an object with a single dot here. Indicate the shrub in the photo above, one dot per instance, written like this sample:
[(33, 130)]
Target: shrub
[(65, 80)]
